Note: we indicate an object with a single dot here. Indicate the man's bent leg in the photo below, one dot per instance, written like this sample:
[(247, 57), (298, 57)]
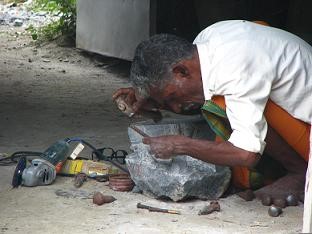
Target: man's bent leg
[(288, 143), (295, 132), (293, 182)]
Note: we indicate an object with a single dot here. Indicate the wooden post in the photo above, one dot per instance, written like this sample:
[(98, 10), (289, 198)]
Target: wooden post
[(307, 212)]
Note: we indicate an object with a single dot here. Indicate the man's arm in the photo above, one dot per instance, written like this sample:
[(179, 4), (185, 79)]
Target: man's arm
[(221, 153)]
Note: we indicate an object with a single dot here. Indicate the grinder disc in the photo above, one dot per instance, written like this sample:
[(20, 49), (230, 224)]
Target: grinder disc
[(17, 177)]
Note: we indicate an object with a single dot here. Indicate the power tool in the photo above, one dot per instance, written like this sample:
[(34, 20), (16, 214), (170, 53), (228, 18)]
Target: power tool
[(42, 170)]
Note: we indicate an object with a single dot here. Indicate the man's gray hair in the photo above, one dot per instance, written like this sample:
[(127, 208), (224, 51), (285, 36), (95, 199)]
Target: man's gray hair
[(154, 58)]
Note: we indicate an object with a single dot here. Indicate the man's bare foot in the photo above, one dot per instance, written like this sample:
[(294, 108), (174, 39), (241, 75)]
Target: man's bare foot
[(286, 191), (290, 188)]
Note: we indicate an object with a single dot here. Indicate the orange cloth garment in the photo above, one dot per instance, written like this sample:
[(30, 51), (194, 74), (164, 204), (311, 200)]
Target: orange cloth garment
[(295, 132)]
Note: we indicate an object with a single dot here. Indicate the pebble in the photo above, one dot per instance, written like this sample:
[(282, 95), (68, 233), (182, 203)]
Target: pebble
[(18, 23), (274, 211), (13, 4), (213, 206), (292, 200)]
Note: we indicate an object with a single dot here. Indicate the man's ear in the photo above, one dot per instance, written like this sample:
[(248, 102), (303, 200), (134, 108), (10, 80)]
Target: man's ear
[(181, 70)]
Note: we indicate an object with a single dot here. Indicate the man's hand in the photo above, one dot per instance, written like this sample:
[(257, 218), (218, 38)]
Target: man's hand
[(128, 95), (220, 153), (165, 147), (141, 106)]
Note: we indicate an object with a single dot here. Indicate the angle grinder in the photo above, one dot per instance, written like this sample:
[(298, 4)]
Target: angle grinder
[(42, 170)]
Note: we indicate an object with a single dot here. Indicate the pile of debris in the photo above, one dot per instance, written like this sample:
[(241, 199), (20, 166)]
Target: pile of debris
[(21, 15)]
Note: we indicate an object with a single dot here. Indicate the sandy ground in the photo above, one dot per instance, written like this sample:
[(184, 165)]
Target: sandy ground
[(51, 92)]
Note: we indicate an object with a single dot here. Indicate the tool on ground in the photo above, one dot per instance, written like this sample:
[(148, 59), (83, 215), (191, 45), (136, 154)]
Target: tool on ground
[(80, 178), (213, 206), (41, 171), (100, 199), (44, 167), (155, 209), (89, 167)]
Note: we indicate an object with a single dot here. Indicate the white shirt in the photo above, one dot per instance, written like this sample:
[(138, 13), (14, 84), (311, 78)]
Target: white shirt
[(249, 63)]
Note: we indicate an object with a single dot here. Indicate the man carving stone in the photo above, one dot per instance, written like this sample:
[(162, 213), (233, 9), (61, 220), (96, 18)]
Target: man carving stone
[(249, 66)]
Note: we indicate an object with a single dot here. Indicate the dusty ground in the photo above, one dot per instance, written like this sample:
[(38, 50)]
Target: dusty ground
[(51, 92)]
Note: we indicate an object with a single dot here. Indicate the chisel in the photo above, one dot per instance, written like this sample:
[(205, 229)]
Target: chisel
[(139, 131), (155, 209)]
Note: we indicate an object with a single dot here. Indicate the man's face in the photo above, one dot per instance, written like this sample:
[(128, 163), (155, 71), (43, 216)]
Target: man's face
[(182, 96), (182, 92)]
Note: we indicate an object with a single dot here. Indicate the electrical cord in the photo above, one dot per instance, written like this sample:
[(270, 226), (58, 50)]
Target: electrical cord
[(97, 153), (13, 159)]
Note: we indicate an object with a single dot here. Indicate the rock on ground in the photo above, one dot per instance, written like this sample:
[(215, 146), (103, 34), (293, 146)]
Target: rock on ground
[(181, 177)]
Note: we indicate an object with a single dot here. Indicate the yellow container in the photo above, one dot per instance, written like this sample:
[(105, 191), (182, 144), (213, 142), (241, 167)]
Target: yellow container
[(89, 167)]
